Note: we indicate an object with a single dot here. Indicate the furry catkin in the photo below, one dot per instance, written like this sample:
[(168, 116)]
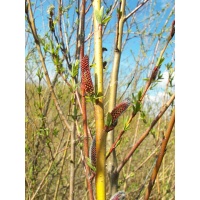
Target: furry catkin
[(92, 152), (86, 76), (117, 111)]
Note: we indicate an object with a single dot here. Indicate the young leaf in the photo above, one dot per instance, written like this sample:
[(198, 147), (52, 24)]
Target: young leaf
[(98, 16), (137, 106), (139, 94), (106, 20), (101, 11), (109, 119), (126, 124), (160, 61), (88, 161)]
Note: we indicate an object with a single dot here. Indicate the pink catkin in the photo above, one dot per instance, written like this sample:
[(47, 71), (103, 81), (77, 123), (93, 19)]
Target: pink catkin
[(119, 109), (86, 76), (92, 152)]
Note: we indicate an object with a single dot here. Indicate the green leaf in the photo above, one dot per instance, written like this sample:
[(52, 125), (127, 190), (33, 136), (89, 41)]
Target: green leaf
[(55, 132), (106, 20), (126, 124), (90, 98), (109, 119), (118, 143), (89, 163), (39, 74), (39, 89), (160, 61), (101, 11), (140, 94), (134, 109), (75, 68), (137, 106), (98, 16)]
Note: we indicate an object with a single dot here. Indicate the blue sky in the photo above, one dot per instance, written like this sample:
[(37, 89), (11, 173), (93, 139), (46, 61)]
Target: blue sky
[(141, 22)]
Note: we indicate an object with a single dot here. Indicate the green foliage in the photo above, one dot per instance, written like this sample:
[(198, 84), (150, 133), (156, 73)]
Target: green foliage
[(106, 20), (92, 98), (100, 17), (143, 116), (89, 163), (39, 74), (136, 101), (75, 68), (160, 61), (108, 119), (55, 132), (45, 133), (126, 124), (170, 70)]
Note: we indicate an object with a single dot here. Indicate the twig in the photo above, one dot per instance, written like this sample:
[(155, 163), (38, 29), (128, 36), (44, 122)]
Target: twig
[(147, 176), (34, 32), (45, 176), (138, 7), (144, 135), (88, 8), (61, 170), (160, 156)]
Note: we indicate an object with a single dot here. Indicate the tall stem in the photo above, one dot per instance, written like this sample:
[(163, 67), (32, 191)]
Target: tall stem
[(83, 102), (112, 162), (99, 109)]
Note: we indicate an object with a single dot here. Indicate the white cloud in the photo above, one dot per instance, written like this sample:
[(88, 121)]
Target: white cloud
[(155, 98), (164, 81)]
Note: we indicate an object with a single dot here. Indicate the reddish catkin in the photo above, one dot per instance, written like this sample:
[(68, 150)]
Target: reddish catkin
[(92, 152), (118, 196), (86, 76), (118, 110)]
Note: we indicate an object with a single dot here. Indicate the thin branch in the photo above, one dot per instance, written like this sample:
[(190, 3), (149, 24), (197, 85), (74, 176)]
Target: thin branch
[(88, 8), (61, 170), (136, 9), (37, 43), (160, 156), (145, 134)]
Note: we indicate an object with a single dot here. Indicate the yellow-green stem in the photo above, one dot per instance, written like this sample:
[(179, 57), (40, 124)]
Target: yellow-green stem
[(112, 162), (99, 110)]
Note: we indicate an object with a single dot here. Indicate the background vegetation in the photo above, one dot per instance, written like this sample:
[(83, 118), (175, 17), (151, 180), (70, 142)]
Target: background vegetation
[(56, 163)]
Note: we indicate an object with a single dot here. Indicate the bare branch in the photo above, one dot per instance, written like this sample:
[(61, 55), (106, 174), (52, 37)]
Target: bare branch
[(135, 10)]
